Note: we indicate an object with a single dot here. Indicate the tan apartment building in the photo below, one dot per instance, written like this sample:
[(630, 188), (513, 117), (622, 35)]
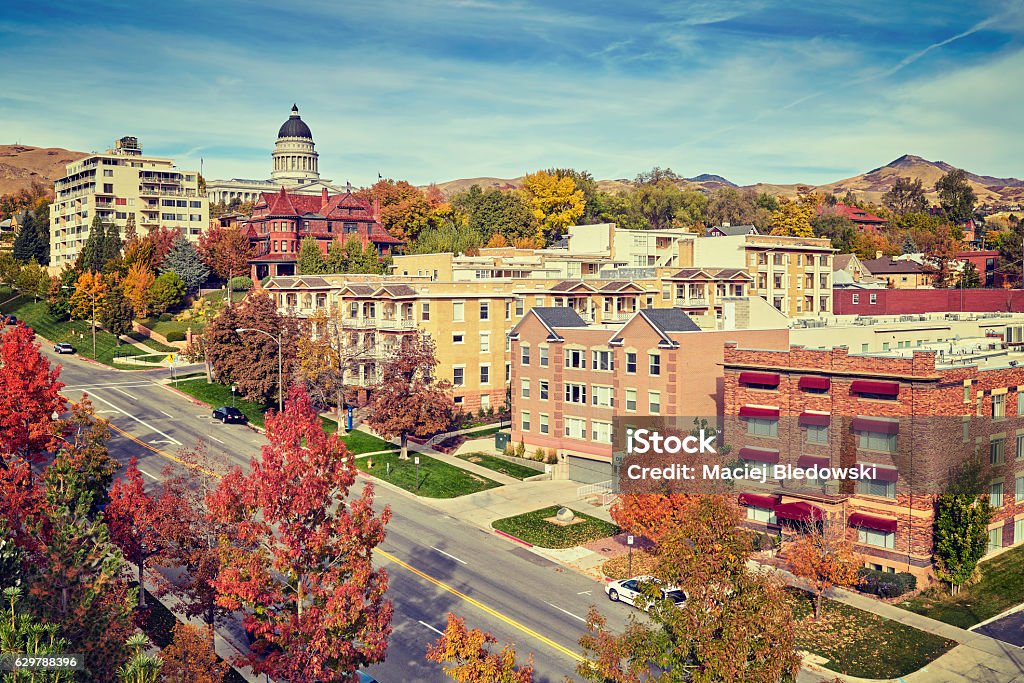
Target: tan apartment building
[(570, 378), (117, 184)]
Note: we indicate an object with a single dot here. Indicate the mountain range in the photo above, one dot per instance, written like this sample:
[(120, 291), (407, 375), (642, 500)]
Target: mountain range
[(21, 165)]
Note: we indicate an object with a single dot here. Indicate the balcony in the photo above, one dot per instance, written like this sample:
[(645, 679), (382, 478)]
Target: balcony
[(396, 324), (157, 192), (690, 301), (617, 316)]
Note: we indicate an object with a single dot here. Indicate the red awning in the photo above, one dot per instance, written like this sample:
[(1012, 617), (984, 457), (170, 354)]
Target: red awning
[(870, 424), (759, 455), (758, 500), (753, 411), (864, 386), (872, 522), (818, 419), (769, 378), (812, 460), (798, 512), (819, 383), (884, 473)]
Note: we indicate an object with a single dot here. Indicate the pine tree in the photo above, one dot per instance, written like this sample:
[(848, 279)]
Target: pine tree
[(311, 259), (117, 313), (111, 242), (130, 231), (184, 260), (91, 257), (27, 243), (909, 245)]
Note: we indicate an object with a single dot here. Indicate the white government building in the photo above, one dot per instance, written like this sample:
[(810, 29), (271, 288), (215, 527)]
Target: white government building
[(295, 168)]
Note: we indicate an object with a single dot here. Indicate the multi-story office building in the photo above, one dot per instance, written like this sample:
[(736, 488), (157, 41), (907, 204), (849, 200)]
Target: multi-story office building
[(117, 184)]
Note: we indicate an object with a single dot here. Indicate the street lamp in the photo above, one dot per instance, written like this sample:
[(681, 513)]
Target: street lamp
[(280, 365), (92, 295), (629, 568), (417, 460)]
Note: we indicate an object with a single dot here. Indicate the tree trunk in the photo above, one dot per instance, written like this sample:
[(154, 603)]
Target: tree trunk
[(206, 360), (209, 622), (142, 588), (817, 605), (405, 447)]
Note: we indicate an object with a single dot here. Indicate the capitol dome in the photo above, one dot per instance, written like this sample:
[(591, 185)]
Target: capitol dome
[(295, 157), (295, 127)]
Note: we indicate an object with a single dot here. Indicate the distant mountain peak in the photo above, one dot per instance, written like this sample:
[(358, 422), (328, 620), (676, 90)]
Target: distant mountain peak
[(711, 178)]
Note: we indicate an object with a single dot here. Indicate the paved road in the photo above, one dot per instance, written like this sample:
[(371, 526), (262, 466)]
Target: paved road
[(1009, 629), (436, 563)]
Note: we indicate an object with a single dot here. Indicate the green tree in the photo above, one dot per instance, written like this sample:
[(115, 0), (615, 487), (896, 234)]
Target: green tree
[(90, 258), (905, 196), (453, 236), (311, 258), (496, 211), (32, 280), (961, 529), (909, 246), (969, 278), (956, 196), (584, 182), (58, 300), (22, 633), (336, 258), (167, 291), (184, 260), (111, 243), (117, 313), (142, 667), (28, 245), (11, 557), (840, 229)]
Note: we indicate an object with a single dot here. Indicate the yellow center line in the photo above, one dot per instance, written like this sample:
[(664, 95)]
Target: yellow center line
[(479, 605), (423, 575)]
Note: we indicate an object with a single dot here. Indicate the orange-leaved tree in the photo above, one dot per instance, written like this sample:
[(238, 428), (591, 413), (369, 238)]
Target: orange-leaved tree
[(90, 292), (824, 557), (189, 659), (136, 285), (470, 660)]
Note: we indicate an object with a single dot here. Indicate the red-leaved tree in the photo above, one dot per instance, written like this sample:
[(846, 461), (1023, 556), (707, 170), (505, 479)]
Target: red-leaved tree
[(29, 396), (300, 556), (226, 251), (134, 519)]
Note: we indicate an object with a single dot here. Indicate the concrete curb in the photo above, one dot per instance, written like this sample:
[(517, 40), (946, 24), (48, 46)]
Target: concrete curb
[(514, 539)]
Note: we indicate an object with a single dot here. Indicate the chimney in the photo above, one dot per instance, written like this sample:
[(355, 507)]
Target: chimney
[(323, 198), (878, 254), (725, 224), (376, 209)]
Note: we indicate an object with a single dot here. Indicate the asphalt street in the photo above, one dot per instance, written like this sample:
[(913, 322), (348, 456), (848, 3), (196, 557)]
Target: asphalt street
[(437, 564)]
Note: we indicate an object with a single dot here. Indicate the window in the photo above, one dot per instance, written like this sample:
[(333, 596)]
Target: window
[(485, 310), (526, 354), (876, 441), (631, 363), (631, 400), (760, 426), (575, 393), (855, 299), (999, 405), (525, 388), (873, 299), (995, 494), (1020, 446), (967, 396), (877, 487), (520, 303), (485, 374), (575, 428), (764, 515), (542, 423), (1020, 402), (485, 342), (817, 434), (543, 386), (525, 421), (602, 396), (108, 173), (1018, 489), (458, 376), (995, 539), (880, 539), (508, 310), (508, 372), (425, 311), (655, 364), (603, 360), (542, 354), (458, 338), (654, 402), (458, 311), (576, 358), (996, 452), (601, 432)]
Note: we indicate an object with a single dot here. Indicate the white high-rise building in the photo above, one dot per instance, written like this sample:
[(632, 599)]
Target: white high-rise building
[(119, 183), (294, 167)]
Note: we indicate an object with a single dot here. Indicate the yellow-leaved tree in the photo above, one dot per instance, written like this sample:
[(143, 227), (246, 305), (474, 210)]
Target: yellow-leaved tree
[(89, 295), (556, 202), (793, 218)]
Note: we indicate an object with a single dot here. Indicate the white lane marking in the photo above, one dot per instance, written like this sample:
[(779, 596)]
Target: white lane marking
[(566, 612), (82, 387), (216, 439), (100, 412), (423, 623), (583, 593), (156, 441), (120, 391), (167, 414), (148, 474), (141, 422), (448, 555)]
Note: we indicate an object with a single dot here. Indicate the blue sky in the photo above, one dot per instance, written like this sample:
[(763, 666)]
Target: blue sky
[(754, 90)]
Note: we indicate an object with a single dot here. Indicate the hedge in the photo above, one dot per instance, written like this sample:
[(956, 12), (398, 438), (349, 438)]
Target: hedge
[(885, 584), (175, 336)]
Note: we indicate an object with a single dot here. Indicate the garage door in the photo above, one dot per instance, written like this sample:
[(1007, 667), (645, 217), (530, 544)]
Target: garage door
[(587, 471)]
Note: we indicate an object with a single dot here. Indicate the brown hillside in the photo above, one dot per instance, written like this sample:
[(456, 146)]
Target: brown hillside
[(22, 165)]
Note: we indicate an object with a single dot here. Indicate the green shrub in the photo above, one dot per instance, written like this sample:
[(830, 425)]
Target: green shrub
[(539, 455), (240, 284), (165, 317), (521, 449), (175, 336), (510, 451), (552, 457), (885, 584)]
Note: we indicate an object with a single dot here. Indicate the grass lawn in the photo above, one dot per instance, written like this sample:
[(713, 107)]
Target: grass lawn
[(165, 328), (491, 462), (436, 479), (534, 527), (153, 343), (484, 432), (216, 395), (35, 315), (858, 643), (1001, 587)]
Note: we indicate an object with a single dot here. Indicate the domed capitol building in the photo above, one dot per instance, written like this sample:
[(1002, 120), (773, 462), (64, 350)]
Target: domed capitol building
[(295, 168)]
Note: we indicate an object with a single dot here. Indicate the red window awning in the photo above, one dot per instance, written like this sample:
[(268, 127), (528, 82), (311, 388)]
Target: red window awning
[(859, 519), (812, 460), (817, 419), (798, 512), (816, 383), (884, 473), (759, 455), (870, 424), (755, 411), (757, 500), (768, 378), (864, 386)]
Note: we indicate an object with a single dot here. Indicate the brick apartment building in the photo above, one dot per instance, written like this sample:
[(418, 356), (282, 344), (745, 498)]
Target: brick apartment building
[(915, 417)]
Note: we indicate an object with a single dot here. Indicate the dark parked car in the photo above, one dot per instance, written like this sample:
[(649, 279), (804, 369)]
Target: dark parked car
[(365, 677), (11, 319), (228, 414), (63, 347)]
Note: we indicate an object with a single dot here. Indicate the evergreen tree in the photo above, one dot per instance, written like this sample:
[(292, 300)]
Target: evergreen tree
[(111, 243), (369, 260), (311, 259), (117, 313), (184, 260), (91, 257), (130, 231), (909, 245), (27, 244)]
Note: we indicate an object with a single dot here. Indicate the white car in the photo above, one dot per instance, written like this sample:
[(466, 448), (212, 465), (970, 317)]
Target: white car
[(629, 591)]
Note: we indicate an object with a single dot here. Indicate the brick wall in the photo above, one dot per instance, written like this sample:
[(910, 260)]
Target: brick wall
[(910, 301)]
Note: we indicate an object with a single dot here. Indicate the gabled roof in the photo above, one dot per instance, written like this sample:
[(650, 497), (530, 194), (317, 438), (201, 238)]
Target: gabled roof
[(843, 261), (569, 285), (710, 274), (554, 317), (732, 230), (690, 274), (856, 215), (732, 274), (359, 290), (889, 265), (669, 320), (620, 285), (397, 290)]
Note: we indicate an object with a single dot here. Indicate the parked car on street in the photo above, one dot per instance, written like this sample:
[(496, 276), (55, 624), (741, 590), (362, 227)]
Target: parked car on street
[(365, 677), (629, 591), (63, 347), (10, 320), (229, 414)]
